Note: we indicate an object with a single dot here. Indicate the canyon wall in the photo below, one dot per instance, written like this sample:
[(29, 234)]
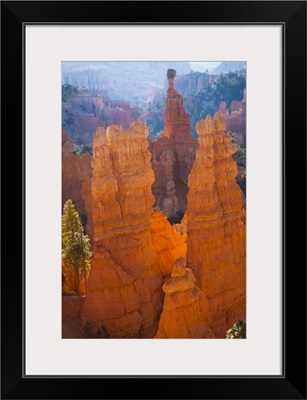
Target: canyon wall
[(215, 226), (173, 154), (68, 280), (82, 113), (134, 246), (236, 119), (75, 168), (71, 308)]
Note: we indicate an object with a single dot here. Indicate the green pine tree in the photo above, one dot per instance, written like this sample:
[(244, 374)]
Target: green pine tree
[(237, 331), (76, 245)]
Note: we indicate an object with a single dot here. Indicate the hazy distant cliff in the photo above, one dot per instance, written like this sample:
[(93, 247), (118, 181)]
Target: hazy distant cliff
[(122, 80)]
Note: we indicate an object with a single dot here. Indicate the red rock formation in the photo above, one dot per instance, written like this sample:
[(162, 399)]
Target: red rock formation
[(168, 244), (236, 118), (69, 280), (134, 247), (215, 228), (74, 170), (83, 113), (173, 154), (71, 308), (67, 145), (185, 310), (86, 195)]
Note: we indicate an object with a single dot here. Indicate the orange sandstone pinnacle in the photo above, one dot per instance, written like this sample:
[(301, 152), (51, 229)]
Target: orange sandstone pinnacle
[(139, 284), (185, 309), (216, 232), (134, 247)]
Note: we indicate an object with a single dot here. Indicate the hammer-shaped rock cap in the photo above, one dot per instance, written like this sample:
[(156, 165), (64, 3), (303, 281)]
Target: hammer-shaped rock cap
[(171, 73)]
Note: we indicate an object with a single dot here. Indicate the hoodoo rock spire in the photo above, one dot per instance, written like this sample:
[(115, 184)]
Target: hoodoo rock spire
[(171, 73), (173, 154), (215, 220), (131, 257)]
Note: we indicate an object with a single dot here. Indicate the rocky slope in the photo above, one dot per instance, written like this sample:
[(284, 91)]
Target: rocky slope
[(134, 247), (215, 226)]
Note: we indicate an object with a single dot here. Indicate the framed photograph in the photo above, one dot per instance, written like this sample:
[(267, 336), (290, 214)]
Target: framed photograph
[(163, 151)]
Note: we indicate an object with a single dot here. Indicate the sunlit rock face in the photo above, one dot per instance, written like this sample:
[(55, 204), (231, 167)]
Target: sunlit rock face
[(185, 310), (134, 246), (149, 278), (173, 154), (68, 280), (215, 226)]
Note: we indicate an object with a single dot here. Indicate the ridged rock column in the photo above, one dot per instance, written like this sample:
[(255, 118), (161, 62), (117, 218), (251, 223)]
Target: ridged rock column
[(131, 256), (216, 237), (173, 154)]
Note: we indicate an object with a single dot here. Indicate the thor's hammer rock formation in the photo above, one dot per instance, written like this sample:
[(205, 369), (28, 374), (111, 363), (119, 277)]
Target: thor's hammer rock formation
[(173, 154)]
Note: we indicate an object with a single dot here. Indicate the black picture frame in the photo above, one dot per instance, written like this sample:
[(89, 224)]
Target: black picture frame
[(292, 16)]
